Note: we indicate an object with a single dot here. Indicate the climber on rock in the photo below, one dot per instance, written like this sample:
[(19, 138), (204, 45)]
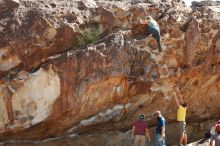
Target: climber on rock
[(153, 29), (215, 138), (140, 131), (181, 119)]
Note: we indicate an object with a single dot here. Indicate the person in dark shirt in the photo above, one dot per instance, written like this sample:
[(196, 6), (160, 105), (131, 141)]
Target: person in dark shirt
[(140, 131), (160, 129)]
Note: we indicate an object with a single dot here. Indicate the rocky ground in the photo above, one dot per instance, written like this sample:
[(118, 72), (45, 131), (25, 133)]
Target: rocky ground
[(54, 92)]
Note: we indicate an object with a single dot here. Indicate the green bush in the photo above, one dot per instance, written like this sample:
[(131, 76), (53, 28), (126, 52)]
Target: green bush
[(87, 37)]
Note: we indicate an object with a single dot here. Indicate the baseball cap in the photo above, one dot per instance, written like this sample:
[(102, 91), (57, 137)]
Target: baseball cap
[(142, 116)]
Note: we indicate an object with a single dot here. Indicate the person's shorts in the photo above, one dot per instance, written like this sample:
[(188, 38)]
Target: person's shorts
[(182, 127), (216, 138)]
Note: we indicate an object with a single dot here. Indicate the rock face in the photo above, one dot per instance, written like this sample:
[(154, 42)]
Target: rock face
[(51, 89)]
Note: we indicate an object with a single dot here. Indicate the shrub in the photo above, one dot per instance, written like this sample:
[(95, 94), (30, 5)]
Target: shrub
[(87, 37)]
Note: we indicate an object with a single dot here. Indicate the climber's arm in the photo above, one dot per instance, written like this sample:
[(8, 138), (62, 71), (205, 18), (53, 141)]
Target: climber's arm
[(176, 99), (147, 134), (132, 133), (162, 132), (143, 21)]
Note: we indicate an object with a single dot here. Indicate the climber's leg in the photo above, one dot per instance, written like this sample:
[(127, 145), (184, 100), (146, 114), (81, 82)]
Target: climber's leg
[(185, 139), (156, 34), (150, 31)]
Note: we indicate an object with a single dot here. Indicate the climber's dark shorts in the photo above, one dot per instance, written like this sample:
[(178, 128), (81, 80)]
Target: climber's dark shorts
[(181, 127), (156, 35), (216, 138)]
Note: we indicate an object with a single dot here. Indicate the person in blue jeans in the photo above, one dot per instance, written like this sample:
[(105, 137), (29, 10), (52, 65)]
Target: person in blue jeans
[(160, 129), (153, 29)]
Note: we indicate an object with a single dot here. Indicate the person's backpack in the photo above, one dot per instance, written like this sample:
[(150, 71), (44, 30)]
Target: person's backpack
[(217, 128)]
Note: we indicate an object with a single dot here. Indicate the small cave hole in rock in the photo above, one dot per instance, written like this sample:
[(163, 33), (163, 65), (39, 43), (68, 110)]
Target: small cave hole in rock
[(53, 5)]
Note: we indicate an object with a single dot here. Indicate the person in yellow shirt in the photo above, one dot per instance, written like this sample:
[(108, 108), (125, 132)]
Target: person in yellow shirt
[(181, 119)]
